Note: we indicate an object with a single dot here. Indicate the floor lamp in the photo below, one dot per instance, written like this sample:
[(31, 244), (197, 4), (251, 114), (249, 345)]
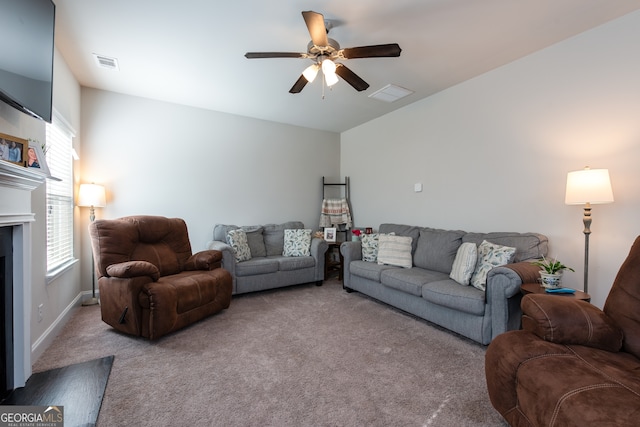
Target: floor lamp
[(587, 187), (92, 196)]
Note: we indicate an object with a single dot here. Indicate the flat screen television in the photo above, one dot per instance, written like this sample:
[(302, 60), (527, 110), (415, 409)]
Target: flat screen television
[(26, 55)]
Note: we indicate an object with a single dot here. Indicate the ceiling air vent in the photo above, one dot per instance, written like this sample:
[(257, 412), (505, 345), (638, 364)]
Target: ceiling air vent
[(106, 62), (390, 93)]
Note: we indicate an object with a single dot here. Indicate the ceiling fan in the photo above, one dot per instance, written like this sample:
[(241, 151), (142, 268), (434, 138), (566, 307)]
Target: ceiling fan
[(324, 52)]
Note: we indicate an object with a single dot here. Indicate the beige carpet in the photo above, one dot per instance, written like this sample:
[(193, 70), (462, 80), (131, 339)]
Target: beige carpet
[(299, 356)]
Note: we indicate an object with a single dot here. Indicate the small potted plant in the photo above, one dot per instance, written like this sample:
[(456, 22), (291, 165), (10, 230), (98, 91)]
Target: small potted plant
[(356, 234), (551, 272)]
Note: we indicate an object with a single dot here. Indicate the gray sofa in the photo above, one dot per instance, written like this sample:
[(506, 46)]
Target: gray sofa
[(427, 291), (268, 268)]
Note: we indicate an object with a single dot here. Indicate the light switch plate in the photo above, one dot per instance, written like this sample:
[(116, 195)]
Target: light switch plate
[(417, 187)]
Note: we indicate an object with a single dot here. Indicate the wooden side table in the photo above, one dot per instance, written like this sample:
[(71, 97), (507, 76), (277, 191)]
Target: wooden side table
[(536, 288), (332, 262)]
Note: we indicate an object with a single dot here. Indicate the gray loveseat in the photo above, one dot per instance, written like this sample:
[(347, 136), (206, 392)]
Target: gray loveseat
[(267, 267), (427, 291)]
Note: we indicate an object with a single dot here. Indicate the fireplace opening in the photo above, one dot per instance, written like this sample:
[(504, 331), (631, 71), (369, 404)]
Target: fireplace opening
[(6, 311)]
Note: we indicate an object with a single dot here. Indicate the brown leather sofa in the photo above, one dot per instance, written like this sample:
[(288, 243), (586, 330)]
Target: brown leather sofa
[(572, 364), (150, 282)]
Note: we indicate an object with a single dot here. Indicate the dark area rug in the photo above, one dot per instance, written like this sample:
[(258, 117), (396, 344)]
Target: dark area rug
[(79, 388)]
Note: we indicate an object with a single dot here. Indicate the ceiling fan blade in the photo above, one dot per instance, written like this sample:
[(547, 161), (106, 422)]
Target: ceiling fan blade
[(257, 55), (298, 85), (317, 29), (352, 78), (376, 51)]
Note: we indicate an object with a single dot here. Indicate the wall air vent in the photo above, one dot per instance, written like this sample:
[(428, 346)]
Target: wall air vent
[(106, 62), (390, 93)]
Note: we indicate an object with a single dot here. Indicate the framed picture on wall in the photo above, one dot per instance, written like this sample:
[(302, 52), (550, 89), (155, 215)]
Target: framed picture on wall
[(13, 149), (330, 235), (36, 158)]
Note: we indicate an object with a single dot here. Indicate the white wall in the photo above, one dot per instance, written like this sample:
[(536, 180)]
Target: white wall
[(493, 153), (60, 293), (157, 158)]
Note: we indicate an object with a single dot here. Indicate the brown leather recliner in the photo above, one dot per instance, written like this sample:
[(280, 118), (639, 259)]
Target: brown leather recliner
[(572, 364), (150, 283)]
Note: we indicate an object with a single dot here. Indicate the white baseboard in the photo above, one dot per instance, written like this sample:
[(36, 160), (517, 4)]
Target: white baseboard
[(45, 340)]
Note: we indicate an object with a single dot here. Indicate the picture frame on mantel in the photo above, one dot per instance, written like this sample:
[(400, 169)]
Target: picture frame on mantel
[(36, 158), (13, 149)]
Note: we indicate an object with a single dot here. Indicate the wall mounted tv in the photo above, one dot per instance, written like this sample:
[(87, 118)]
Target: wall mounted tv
[(26, 55)]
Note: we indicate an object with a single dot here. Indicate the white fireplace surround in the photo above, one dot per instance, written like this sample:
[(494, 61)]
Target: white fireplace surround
[(16, 184)]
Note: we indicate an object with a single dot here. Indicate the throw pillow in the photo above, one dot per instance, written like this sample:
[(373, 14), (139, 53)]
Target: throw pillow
[(465, 263), (237, 239), (490, 255), (255, 241), (370, 247), (297, 242), (395, 250)]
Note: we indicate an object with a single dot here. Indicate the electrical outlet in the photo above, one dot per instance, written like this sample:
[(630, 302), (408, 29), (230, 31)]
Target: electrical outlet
[(40, 310)]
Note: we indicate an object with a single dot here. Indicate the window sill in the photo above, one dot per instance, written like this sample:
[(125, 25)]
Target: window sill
[(55, 274)]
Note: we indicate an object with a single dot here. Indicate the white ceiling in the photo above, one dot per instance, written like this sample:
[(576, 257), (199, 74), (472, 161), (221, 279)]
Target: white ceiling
[(191, 52)]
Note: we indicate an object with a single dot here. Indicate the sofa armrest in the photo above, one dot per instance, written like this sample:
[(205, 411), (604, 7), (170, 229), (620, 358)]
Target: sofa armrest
[(228, 258), (204, 260), (569, 321), (130, 269), (318, 249), (351, 251), (503, 297)]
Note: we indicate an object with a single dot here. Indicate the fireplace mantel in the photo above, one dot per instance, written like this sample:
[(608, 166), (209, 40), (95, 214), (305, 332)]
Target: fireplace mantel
[(23, 178)]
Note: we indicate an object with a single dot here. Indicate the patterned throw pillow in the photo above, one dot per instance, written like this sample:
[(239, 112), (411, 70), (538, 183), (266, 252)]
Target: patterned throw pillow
[(490, 255), (297, 242), (395, 250), (237, 239), (465, 263), (370, 247)]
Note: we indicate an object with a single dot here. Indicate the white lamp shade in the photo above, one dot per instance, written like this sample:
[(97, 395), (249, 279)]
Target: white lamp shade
[(588, 186), (310, 72), (331, 79), (92, 195)]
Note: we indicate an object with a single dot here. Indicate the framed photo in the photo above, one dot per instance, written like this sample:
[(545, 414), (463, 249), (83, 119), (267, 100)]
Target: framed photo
[(330, 235), (13, 149), (36, 158)]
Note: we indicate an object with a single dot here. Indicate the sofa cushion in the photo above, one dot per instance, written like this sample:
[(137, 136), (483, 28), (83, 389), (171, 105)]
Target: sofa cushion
[(295, 263), (256, 266), (528, 245), (274, 236), (409, 280), (370, 247), (368, 270), (297, 242), (449, 293), (465, 263), (402, 230), (394, 250), (255, 241), (489, 255), (437, 249), (237, 239)]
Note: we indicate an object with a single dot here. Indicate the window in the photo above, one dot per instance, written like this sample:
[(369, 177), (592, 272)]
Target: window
[(59, 194)]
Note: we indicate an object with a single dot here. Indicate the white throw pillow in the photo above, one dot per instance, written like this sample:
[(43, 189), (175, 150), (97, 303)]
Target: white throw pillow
[(490, 255), (370, 247), (297, 242), (465, 263), (395, 250), (237, 239)]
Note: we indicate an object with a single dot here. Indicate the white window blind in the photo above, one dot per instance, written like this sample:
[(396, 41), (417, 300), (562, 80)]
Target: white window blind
[(59, 194)]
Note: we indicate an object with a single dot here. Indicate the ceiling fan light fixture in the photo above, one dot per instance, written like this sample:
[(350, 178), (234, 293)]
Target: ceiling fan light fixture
[(328, 67), (330, 79), (311, 72)]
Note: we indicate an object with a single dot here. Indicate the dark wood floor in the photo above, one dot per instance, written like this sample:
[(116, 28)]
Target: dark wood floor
[(78, 388)]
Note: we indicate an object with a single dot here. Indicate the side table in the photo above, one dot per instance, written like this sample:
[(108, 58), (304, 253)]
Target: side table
[(333, 261), (536, 288)]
